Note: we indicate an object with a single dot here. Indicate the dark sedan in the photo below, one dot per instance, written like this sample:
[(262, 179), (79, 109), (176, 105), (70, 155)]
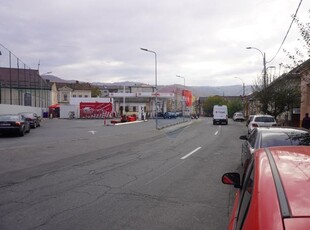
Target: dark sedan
[(271, 136), (14, 124), (33, 119), (169, 115)]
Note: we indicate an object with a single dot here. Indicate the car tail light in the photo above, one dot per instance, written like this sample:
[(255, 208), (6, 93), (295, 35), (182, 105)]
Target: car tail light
[(17, 123), (254, 125)]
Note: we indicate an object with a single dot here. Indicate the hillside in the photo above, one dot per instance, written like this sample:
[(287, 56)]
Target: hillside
[(199, 91)]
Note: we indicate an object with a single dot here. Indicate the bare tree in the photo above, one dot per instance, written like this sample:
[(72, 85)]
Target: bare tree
[(298, 56)]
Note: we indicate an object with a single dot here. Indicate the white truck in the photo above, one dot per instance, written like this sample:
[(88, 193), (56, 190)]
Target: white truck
[(220, 114)]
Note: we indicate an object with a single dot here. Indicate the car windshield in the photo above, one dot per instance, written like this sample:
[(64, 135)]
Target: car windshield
[(264, 119), (284, 139)]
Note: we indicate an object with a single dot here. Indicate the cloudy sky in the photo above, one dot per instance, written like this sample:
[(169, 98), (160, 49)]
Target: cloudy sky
[(100, 40)]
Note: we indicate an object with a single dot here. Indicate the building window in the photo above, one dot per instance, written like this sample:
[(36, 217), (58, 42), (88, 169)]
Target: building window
[(80, 95), (134, 109), (65, 97), (73, 95), (126, 109), (86, 96)]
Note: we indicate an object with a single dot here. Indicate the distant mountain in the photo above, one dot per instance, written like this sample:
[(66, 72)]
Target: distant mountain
[(232, 90), (126, 83), (199, 91), (56, 79)]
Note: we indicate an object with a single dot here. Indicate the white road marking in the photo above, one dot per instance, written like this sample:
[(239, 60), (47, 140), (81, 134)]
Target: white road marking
[(217, 132), (92, 132), (128, 123), (192, 152)]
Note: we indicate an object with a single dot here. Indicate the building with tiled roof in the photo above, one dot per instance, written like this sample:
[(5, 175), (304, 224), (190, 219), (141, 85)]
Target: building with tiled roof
[(62, 92), (22, 86)]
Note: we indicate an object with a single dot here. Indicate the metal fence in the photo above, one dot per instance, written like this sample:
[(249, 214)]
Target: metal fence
[(19, 84)]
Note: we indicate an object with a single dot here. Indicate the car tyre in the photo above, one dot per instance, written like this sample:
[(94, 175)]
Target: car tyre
[(22, 131)]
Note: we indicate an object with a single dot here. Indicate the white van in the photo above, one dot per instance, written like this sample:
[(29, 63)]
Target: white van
[(220, 114)]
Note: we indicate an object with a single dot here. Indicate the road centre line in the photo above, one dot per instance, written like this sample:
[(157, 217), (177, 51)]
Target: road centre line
[(192, 152), (217, 132)]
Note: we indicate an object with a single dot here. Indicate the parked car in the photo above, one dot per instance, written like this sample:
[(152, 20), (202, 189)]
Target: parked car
[(274, 193), (14, 124), (169, 115), (238, 116), (33, 119), (271, 136), (261, 121)]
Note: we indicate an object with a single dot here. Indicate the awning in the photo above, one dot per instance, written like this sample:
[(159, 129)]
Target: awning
[(55, 106)]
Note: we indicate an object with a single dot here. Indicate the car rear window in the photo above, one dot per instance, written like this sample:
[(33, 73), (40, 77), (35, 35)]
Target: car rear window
[(8, 118), (264, 119), (283, 139)]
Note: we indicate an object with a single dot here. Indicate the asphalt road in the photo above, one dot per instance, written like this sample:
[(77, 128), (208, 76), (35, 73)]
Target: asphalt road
[(78, 174)]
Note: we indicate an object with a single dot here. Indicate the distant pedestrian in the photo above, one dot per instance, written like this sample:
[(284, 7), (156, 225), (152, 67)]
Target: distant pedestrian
[(306, 121)]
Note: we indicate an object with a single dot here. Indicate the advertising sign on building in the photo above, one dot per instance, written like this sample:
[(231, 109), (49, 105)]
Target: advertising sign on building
[(188, 97), (95, 110)]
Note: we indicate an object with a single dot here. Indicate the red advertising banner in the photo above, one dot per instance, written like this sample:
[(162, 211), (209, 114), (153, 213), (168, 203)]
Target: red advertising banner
[(188, 97), (95, 110)]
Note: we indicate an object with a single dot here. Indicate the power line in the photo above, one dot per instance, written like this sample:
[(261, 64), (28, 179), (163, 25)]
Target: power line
[(287, 32)]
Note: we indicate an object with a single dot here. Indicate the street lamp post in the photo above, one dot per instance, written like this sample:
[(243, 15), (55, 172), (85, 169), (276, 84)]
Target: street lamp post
[(264, 63), (183, 96), (156, 110)]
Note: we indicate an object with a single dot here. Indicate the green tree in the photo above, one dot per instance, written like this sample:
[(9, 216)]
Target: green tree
[(95, 91), (234, 106), (280, 96), (210, 102), (285, 95)]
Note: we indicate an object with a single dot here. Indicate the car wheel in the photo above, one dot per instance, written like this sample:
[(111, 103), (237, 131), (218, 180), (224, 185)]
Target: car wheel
[(22, 131)]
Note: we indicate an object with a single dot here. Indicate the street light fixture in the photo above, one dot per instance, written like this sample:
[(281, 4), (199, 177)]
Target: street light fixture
[(156, 110), (264, 63), (183, 96)]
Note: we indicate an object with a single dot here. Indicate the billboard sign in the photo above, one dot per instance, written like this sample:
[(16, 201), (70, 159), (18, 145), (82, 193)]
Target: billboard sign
[(95, 110)]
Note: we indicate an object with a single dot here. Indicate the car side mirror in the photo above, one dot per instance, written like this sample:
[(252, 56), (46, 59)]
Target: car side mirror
[(243, 137), (232, 179)]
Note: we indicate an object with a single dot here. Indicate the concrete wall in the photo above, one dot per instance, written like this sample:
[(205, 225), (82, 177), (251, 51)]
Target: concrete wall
[(13, 109), (65, 109)]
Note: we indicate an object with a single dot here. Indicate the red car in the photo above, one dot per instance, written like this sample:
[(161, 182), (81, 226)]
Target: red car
[(275, 191)]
